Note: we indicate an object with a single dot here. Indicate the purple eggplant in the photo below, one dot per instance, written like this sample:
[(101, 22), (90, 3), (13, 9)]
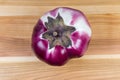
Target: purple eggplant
[(61, 34)]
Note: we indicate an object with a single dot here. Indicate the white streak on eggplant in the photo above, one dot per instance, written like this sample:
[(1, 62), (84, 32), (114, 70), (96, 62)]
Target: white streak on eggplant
[(82, 26), (67, 16), (63, 51), (41, 45), (78, 43), (50, 50)]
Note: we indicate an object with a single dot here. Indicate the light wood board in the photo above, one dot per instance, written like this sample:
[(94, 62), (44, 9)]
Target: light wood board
[(17, 60)]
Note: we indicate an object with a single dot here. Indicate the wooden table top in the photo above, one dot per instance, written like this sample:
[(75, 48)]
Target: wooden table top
[(100, 62)]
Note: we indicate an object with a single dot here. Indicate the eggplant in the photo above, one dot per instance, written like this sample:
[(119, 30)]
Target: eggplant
[(61, 34)]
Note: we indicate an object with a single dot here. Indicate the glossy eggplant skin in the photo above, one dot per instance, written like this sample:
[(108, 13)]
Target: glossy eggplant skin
[(61, 34)]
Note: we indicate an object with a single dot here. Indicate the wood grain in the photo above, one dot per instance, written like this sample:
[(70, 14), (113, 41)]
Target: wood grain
[(17, 60), (55, 2), (76, 69), (9, 10)]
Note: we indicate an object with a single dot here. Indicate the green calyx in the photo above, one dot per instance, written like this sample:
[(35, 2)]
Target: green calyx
[(57, 32)]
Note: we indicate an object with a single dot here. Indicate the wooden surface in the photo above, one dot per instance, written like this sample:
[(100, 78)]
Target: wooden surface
[(85, 68), (17, 61)]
